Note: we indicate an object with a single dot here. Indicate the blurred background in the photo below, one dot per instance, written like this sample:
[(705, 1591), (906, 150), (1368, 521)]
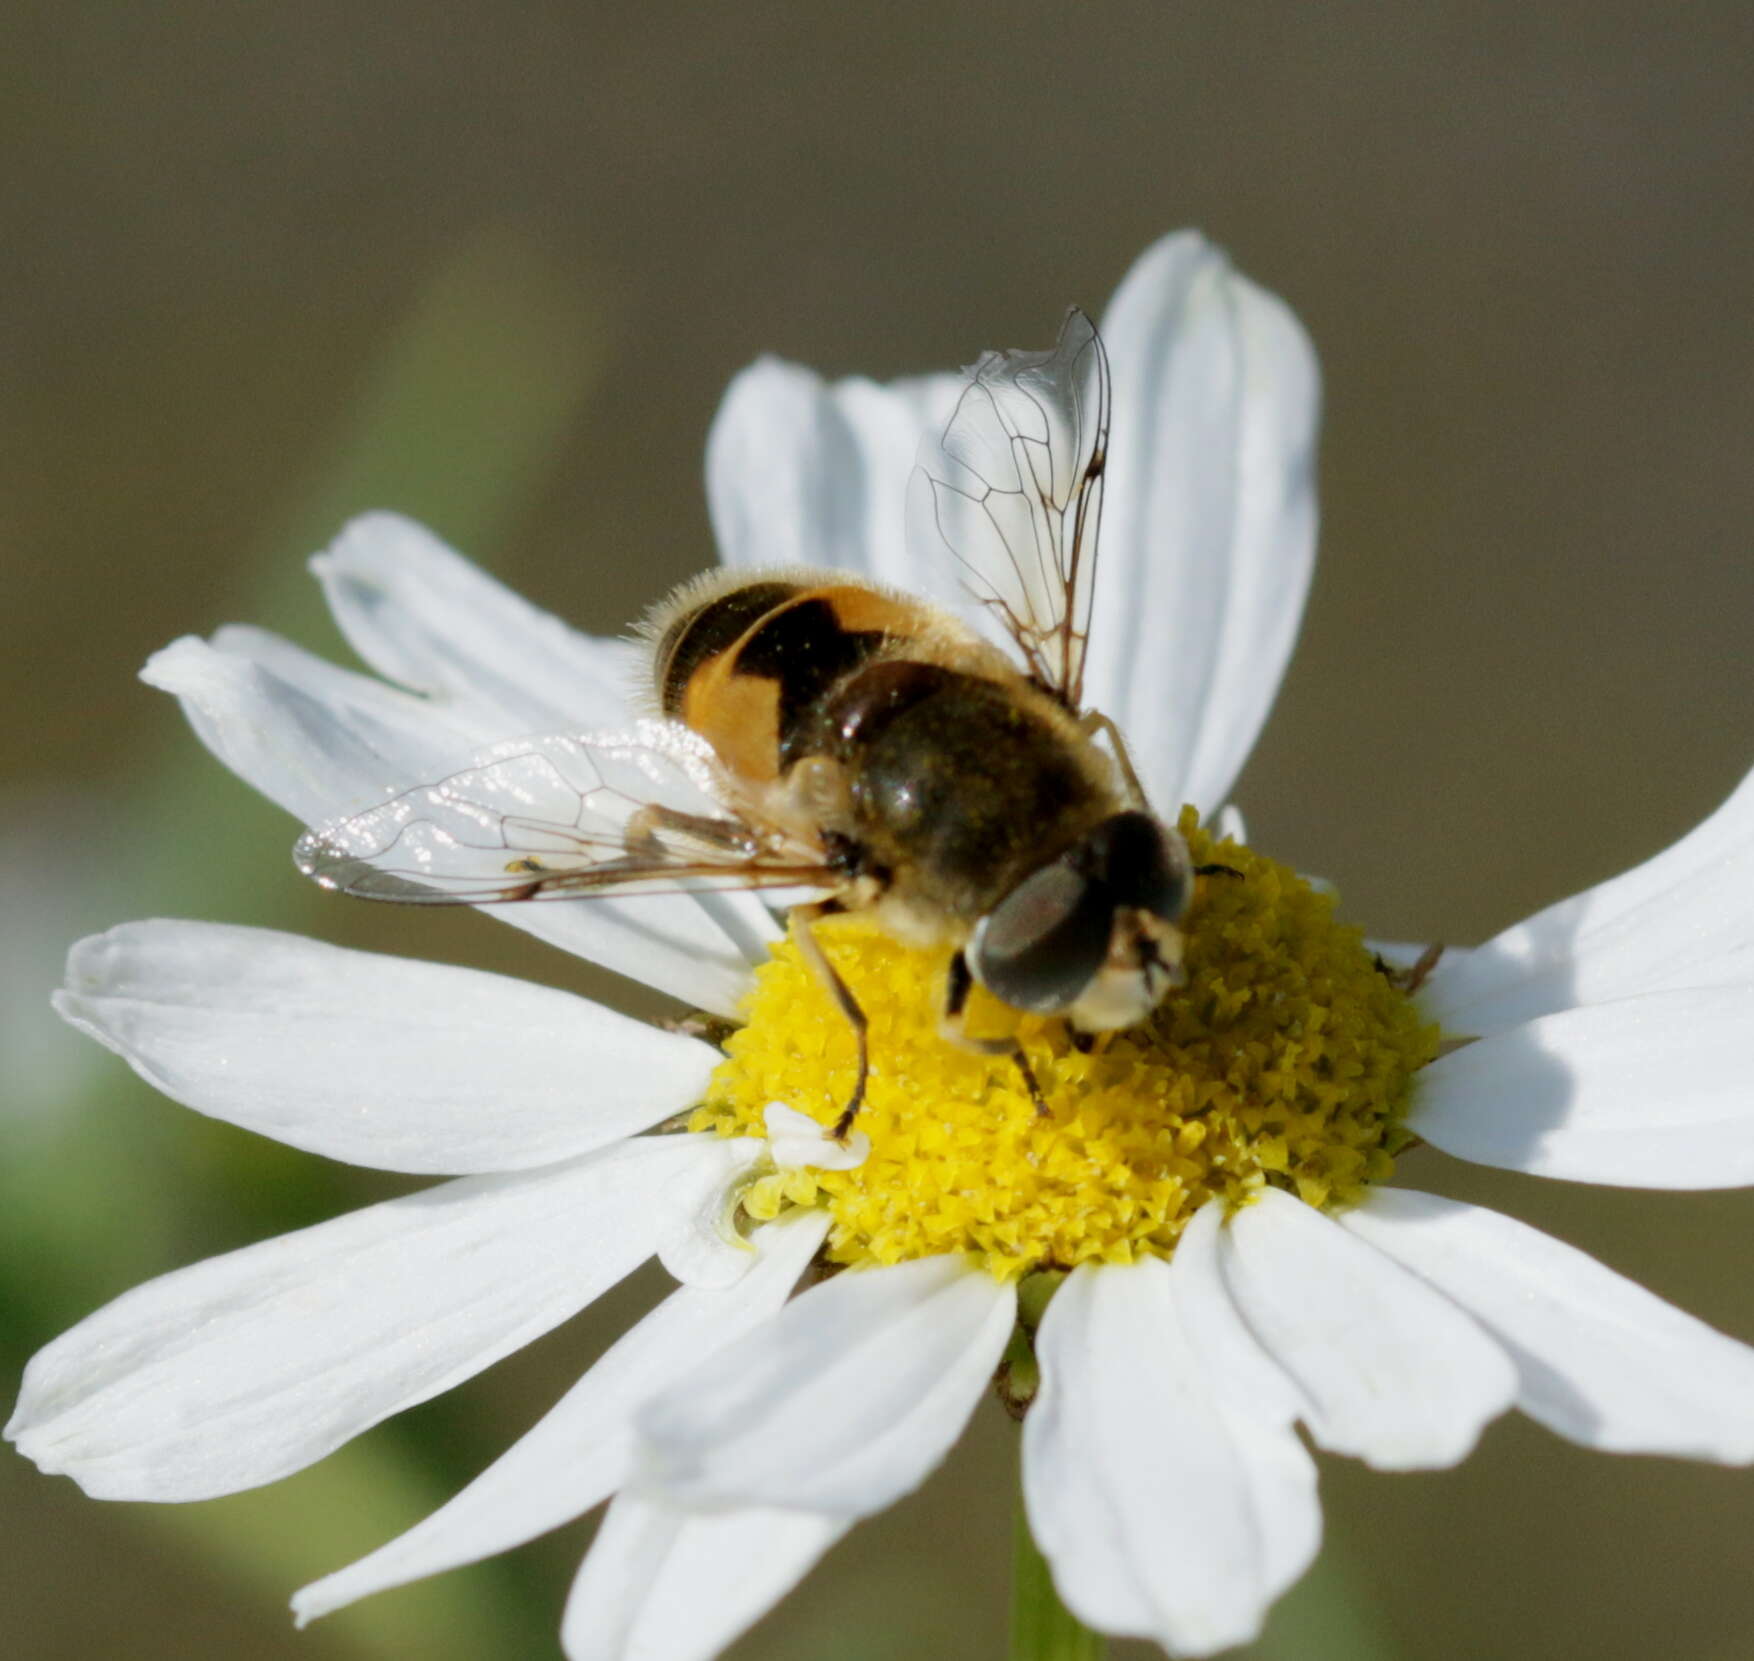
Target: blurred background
[(271, 264)]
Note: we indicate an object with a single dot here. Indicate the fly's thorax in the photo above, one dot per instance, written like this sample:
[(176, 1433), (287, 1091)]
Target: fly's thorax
[(957, 783)]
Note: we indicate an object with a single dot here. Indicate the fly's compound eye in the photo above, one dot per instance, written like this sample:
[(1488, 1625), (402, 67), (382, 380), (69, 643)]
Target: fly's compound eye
[(1142, 863), (1043, 944)]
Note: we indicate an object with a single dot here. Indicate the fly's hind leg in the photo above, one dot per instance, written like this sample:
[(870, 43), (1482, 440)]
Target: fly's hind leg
[(800, 919), (957, 986)]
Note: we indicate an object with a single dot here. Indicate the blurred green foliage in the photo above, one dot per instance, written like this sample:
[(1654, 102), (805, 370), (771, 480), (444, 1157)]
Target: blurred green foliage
[(489, 367)]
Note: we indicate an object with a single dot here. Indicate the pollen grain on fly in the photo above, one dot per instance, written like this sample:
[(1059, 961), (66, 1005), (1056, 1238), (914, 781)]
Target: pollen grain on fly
[(1287, 1059)]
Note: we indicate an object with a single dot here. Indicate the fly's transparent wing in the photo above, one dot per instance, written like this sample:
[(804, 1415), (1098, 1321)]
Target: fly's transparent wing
[(645, 809), (1012, 489)]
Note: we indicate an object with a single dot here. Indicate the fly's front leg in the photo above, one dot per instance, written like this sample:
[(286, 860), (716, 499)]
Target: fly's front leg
[(643, 843), (641, 833), (1093, 721), (799, 920), (957, 986)]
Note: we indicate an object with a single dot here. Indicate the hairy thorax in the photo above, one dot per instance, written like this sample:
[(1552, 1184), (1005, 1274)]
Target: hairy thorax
[(953, 787)]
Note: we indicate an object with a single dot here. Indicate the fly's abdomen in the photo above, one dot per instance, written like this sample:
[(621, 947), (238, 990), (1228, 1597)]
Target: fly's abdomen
[(697, 635), (748, 666)]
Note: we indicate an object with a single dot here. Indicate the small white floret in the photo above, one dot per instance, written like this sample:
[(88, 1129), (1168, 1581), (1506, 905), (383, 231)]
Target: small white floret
[(795, 1140)]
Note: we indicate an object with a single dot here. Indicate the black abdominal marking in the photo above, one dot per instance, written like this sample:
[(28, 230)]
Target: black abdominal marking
[(804, 650), (698, 636)]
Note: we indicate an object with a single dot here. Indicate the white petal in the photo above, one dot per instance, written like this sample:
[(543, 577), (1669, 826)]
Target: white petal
[(1649, 1092), (1256, 1396), (1209, 516), (1391, 1371), (583, 1450), (1684, 918), (376, 1060), (432, 726), (800, 472), (1603, 1361), (313, 738), (422, 615), (1230, 825), (661, 1584), (842, 1403), (1157, 1505), (236, 1371), (328, 743), (1254, 1384)]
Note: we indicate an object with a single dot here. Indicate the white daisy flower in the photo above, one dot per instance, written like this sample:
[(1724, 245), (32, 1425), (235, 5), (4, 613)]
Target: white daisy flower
[(1195, 1251)]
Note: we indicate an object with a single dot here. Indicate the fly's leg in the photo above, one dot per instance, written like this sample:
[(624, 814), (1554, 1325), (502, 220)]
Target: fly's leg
[(1421, 971), (641, 833), (1415, 975), (1092, 722), (640, 837), (800, 919), (957, 986)]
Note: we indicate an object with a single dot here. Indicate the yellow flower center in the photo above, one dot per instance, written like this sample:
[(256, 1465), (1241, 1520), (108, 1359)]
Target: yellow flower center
[(1286, 1059)]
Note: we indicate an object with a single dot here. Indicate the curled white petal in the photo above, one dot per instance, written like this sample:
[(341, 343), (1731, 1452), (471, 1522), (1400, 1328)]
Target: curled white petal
[(379, 1061), (239, 1370), (1389, 1370), (698, 1242), (583, 1449), (843, 1402), (1649, 1092), (1602, 1361), (795, 1142)]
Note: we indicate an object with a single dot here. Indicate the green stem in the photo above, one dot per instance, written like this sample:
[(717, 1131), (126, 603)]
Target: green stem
[(1042, 1628)]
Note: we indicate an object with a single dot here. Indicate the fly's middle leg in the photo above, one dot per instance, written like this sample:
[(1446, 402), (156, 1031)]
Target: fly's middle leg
[(1092, 722), (800, 919)]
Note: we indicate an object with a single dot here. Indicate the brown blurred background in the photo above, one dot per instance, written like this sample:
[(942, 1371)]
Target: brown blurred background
[(265, 265)]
